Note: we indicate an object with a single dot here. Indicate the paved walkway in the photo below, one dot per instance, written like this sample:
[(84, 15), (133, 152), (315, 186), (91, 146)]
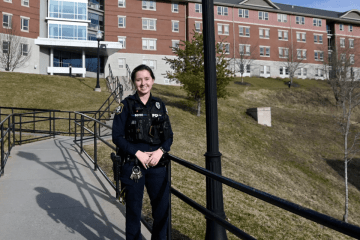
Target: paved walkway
[(49, 191)]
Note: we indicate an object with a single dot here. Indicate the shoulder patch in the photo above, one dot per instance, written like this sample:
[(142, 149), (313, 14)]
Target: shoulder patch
[(157, 104), (119, 109)]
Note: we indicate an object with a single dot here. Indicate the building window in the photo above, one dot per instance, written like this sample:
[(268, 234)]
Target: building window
[(319, 72), (149, 43), (300, 20), (65, 31), (175, 44), (264, 33), (244, 13), (175, 7), (24, 49), (283, 35), (301, 53), (7, 20), (244, 31), (283, 52), (319, 55), (222, 11), (263, 15), (198, 26), (148, 24), (264, 51), (301, 37), (317, 22), (148, 5), (341, 26), (175, 26), (282, 18), (352, 58), (318, 39), (9, 1), (122, 41), (25, 3), (198, 7), (350, 28), (121, 3), (121, 21), (342, 42), (24, 24), (150, 63), (68, 10), (223, 29), (5, 47), (244, 49), (122, 63), (351, 43), (225, 47)]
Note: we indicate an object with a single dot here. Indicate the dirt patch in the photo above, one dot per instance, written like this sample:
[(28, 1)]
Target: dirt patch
[(244, 83)]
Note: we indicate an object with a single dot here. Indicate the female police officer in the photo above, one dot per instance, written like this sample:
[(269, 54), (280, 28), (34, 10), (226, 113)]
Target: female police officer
[(142, 132)]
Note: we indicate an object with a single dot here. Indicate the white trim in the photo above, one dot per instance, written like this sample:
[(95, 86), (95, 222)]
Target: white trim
[(268, 1), (68, 23), (148, 24), (124, 37), (122, 6), (67, 20), (119, 16), (353, 10), (27, 18), (23, 5), (172, 25)]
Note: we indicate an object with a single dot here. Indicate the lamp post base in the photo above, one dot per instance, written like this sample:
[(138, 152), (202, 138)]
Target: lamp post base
[(97, 90)]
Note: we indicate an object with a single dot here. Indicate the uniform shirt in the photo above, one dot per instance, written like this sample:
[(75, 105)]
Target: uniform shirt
[(119, 125)]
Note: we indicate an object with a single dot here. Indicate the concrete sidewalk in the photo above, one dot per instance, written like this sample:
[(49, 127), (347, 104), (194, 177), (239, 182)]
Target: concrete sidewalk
[(49, 191)]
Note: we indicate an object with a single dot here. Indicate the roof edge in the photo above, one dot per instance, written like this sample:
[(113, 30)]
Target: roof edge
[(268, 1)]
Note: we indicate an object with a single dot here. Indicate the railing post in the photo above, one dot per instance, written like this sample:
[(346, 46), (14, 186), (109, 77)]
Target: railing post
[(54, 124), (169, 217), (69, 124), (50, 123), (81, 134), (75, 119), (20, 130), (95, 147), (2, 149), (9, 136), (34, 121), (13, 128)]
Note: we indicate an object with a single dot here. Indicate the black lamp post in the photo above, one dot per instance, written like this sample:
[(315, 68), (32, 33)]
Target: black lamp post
[(98, 38)]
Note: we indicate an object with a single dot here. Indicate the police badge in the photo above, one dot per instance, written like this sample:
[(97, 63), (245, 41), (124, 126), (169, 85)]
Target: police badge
[(157, 104), (119, 109)]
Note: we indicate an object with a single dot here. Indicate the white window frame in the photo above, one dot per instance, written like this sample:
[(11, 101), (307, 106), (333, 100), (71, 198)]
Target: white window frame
[(22, 19), (246, 47), (351, 28), (173, 25), (175, 44), (281, 35), (243, 31), (263, 15), (282, 17), (352, 59), (149, 5), (264, 31), (9, 26), (243, 13), (3, 49), (147, 25), (317, 22), (319, 72), (122, 3), (198, 29), (8, 1), (223, 28), (351, 43), (317, 39), (319, 55), (341, 27), (198, 7), (175, 7), (148, 63), (300, 20), (342, 42), (301, 38), (124, 21), (283, 52), (122, 40), (147, 46), (302, 55), (227, 49), (124, 63), (25, 3), (24, 53), (221, 11), (266, 50)]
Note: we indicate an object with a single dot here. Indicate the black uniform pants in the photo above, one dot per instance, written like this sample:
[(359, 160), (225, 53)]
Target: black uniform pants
[(156, 181)]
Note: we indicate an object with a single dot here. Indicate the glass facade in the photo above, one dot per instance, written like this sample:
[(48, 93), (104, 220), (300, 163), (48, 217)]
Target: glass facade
[(96, 21), (65, 59), (64, 31), (67, 10)]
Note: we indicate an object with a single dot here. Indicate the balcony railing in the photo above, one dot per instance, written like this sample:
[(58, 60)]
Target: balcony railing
[(96, 6)]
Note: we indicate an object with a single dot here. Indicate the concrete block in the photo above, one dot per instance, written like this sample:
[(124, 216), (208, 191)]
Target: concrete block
[(261, 115)]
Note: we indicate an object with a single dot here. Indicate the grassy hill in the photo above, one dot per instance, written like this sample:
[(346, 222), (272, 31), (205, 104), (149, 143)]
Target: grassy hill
[(298, 158)]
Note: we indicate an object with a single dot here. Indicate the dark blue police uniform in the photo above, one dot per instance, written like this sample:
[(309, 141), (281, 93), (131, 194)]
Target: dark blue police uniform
[(155, 178)]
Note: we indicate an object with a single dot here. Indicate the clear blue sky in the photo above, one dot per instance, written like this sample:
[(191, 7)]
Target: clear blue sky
[(332, 5)]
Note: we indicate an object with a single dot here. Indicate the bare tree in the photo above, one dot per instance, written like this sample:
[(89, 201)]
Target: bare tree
[(344, 80), (245, 55), (293, 54), (15, 50)]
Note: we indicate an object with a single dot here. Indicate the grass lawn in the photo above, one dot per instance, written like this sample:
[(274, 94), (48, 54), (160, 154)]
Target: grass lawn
[(298, 158)]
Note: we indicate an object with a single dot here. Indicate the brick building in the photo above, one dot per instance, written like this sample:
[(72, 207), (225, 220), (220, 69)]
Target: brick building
[(62, 32)]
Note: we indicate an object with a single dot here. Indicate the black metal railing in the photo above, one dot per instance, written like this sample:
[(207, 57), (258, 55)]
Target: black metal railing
[(6, 129), (330, 222)]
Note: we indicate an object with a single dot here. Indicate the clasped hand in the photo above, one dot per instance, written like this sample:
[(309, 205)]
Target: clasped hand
[(149, 159)]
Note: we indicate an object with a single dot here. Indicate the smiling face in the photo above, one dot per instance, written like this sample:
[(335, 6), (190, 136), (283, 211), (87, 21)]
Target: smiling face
[(143, 82)]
